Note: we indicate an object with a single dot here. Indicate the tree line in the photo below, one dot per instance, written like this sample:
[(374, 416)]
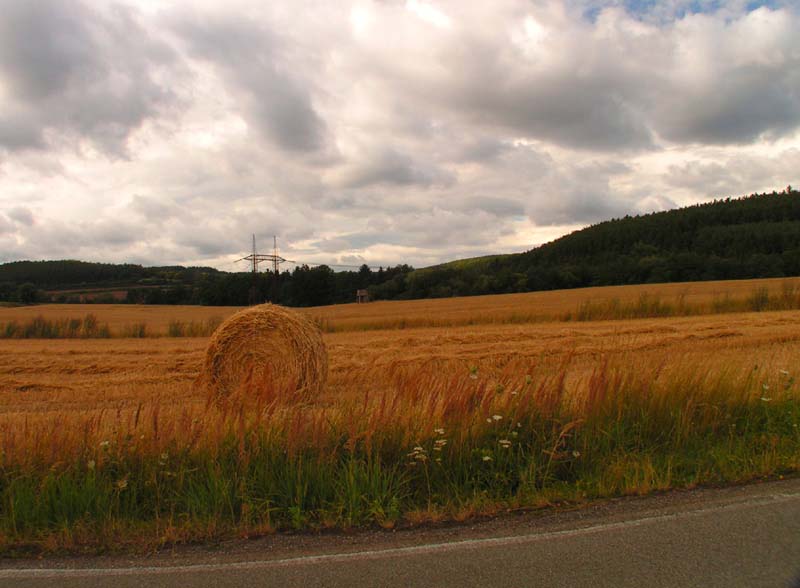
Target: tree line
[(67, 281)]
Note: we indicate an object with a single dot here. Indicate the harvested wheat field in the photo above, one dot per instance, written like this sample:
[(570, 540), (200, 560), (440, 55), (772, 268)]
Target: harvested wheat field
[(675, 299), (62, 376), (413, 424)]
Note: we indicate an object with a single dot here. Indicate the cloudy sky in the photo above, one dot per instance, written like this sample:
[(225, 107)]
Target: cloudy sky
[(384, 132)]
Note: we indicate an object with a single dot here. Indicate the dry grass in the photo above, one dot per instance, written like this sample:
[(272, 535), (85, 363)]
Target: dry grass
[(514, 411), (264, 353), (52, 377), (534, 307)]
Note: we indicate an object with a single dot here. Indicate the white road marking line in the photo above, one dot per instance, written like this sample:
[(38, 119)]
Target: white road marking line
[(392, 551)]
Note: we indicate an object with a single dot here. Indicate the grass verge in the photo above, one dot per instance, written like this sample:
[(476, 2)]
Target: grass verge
[(432, 447)]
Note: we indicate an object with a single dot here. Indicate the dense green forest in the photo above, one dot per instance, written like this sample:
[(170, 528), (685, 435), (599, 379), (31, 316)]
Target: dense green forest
[(76, 281), (752, 237)]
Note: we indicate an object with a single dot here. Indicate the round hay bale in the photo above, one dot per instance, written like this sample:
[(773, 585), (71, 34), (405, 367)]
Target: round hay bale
[(265, 352)]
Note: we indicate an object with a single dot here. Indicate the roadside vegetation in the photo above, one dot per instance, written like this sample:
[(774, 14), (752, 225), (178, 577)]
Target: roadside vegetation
[(107, 443), (434, 444)]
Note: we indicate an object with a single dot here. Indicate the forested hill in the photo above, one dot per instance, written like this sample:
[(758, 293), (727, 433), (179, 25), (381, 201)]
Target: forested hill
[(79, 281), (75, 274), (751, 237), (755, 236)]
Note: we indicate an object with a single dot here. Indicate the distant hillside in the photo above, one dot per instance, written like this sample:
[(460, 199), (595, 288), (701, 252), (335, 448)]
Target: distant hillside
[(752, 237), (73, 281), (71, 274)]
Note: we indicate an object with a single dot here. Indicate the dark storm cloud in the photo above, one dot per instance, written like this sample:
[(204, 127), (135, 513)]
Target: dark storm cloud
[(389, 166), (44, 46), (69, 69), (6, 226), (619, 84), (22, 215), (340, 243), (413, 132), (431, 230), (482, 150), (206, 243), (501, 207), (155, 210), (712, 178), (20, 131), (582, 205), (580, 103), (580, 114), (737, 175), (745, 104), (579, 193), (729, 79), (251, 57)]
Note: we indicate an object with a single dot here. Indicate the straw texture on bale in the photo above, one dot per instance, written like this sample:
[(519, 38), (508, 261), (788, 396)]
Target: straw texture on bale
[(265, 351)]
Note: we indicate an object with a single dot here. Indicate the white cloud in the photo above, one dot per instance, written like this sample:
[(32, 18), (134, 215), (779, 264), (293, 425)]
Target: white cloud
[(389, 132)]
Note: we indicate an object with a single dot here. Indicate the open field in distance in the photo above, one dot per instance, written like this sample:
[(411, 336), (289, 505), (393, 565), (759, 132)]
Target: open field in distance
[(557, 305)]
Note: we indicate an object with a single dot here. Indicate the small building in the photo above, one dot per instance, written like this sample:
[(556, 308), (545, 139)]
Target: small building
[(362, 295)]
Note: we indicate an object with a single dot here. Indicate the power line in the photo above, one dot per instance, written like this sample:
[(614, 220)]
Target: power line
[(372, 267), (256, 258)]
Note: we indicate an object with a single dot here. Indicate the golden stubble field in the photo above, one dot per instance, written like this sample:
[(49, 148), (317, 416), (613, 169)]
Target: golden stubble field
[(495, 403), (388, 315), (50, 379)]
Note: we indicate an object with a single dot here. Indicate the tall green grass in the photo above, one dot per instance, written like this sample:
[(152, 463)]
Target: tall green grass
[(650, 306), (203, 328), (41, 328), (435, 447), (89, 327)]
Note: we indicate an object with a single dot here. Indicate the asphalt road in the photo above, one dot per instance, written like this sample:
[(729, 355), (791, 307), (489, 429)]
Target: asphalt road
[(747, 536)]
